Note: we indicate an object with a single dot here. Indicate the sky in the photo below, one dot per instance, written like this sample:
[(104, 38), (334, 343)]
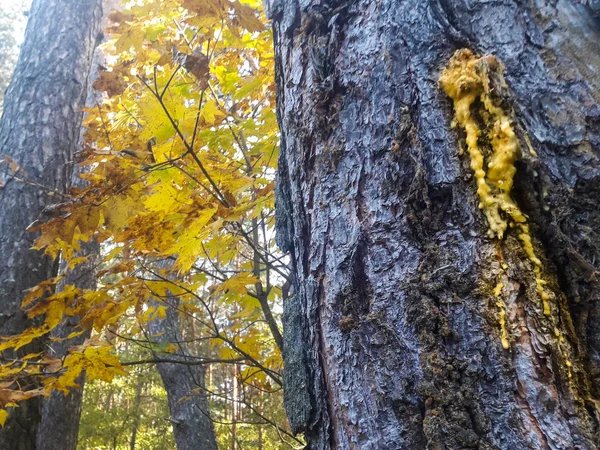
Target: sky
[(15, 6)]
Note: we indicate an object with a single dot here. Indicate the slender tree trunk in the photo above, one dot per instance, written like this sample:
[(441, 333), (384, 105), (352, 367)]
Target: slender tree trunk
[(39, 130), (190, 414), (136, 411), (259, 430), (410, 327), (260, 438), (234, 405)]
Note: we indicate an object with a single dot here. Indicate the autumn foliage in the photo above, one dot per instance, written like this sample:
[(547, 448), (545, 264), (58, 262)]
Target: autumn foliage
[(178, 161)]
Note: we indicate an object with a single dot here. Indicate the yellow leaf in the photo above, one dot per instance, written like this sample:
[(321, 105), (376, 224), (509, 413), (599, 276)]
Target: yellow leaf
[(110, 82), (204, 8), (238, 283), (189, 246), (114, 252), (133, 37), (156, 123), (159, 313), (75, 334), (75, 261), (211, 113), (247, 17), (118, 211)]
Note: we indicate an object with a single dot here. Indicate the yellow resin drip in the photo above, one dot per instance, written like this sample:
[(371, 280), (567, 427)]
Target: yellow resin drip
[(561, 341), (539, 281), (467, 81), (502, 320)]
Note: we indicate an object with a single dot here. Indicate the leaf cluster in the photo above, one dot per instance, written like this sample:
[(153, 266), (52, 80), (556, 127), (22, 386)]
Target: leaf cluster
[(177, 170)]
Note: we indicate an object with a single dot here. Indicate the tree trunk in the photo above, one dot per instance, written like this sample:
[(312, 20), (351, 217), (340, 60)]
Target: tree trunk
[(410, 327), (136, 411), (234, 405), (190, 416), (59, 427), (39, 130)]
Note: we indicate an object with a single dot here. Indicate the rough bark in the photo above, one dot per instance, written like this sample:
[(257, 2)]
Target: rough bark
[(39, 130), (392, 339), (59, 426), (185, 384)]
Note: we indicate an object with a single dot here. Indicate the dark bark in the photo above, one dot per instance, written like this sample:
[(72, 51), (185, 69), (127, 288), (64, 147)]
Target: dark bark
[(261, 295), (59, 427), (39, 130), (185, 384), (392, 337)]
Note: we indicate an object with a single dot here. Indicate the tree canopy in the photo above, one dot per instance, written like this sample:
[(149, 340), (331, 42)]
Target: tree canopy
[(178, 162)]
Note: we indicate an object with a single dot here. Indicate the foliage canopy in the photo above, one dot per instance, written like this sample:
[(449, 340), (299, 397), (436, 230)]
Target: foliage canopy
[(178, 163)]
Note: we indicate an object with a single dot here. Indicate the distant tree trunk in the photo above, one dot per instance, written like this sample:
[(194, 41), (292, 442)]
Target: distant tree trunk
[(260, 439), (39, 130), (409, 327), (259, 408), (190, 416), (234, 405), (136, 411)]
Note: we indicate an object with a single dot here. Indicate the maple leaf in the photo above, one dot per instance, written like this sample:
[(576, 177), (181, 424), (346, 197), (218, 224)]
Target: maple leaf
[(197, 65), (204, 8), (246, 17), (111, 82), (189, 245), (199, 197), (120, 17), (238, 283)]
